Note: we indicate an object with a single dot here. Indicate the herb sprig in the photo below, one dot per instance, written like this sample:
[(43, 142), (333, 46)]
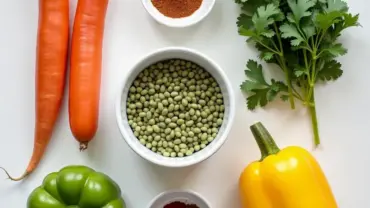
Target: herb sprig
[(301, 37)]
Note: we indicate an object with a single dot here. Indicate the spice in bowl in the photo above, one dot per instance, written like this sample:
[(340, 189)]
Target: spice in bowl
[(178, 204), (175, 108), (177, 8)]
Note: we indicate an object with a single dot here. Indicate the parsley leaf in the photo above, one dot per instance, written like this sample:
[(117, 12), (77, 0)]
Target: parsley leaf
[(331, 71), (254, 72), (266, 55), (244, 21), (350, 21), (300, 8), (336, 5), (309, 30), (259, 98), (250, 6), (300, 72), (291, 31), (284, 97), (265, 17), (325, 20), (261, 92), (335, 50)]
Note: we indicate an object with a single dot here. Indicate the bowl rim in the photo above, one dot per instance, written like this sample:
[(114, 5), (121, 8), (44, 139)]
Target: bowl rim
[(188, 24), (222, 139), (196, 194)]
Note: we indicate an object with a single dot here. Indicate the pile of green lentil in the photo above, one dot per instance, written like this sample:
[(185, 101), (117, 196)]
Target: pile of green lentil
[(175, 108)]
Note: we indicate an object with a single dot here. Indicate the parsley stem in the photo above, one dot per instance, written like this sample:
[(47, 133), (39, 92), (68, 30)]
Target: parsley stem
[(307, 48), (285, 69), (318, 55), (315, 125), (322, 36), (279, 39), (311, 76), (289, 83), (313, 43), (306, 64), (317, 37), (298, 96), (273, 43), (267, 47)]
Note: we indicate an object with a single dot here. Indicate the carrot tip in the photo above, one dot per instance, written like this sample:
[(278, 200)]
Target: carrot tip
[(83, 146), (25, 174)]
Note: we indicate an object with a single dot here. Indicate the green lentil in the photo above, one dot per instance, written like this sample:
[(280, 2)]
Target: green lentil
[(177, 141), (170, 144), (183, 146), (204, 136), (166, 154), (176, 148), (196, 130), (149, 129), (172, 125), (180, 121), (190, 123)]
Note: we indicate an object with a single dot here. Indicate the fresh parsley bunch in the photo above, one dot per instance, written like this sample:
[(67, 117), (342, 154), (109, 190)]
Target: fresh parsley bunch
[(301, 37)]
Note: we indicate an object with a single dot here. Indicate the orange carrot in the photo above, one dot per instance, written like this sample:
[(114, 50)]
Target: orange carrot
[(51, 61), (85, 75)]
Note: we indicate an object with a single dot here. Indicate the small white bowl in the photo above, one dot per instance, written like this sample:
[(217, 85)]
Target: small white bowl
[(196, 17), (185, 196), (207, 64)]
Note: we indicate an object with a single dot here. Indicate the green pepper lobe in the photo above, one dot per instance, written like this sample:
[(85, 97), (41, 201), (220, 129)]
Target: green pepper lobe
[(76, 187)]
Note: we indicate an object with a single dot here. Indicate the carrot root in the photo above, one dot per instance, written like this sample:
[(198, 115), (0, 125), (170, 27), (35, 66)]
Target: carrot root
[(83, 145), (25, 174)]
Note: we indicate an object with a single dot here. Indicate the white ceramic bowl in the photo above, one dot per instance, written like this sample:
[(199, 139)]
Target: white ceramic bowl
[(185, 196), (207, 64), (196, 17)]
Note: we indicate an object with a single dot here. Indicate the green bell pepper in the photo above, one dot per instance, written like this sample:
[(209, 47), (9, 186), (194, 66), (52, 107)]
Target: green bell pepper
[(76, 187)]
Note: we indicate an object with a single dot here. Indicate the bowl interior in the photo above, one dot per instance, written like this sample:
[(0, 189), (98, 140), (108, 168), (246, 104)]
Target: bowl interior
[(181, 196), (224, 85), (197, 16)]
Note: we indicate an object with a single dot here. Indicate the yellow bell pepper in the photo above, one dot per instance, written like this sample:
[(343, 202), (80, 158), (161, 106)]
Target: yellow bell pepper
[(287, 178)]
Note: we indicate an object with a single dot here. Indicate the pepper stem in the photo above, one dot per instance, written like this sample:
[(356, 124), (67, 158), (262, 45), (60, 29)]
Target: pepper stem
[(264, 140)]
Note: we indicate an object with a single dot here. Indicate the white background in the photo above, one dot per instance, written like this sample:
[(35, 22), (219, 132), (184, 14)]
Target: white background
[(131, 33)]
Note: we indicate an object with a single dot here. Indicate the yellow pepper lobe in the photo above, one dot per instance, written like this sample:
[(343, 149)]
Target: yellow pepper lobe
[(251, 189), (287, 178)]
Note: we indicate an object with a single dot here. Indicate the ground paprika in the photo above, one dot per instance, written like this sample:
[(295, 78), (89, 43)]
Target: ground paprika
[(178, 204), (177, 8)]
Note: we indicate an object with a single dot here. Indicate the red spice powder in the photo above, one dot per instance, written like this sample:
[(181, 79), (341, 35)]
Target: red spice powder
[(180, 205), (177, 8)]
